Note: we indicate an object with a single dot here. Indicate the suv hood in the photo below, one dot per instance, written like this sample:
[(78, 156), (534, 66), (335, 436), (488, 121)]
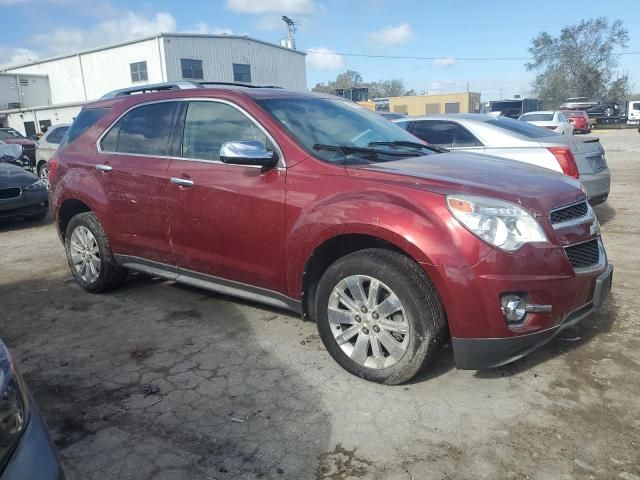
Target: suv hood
[(537, 189)]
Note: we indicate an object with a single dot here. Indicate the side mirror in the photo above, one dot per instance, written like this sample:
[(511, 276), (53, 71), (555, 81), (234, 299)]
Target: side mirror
[(251, 152)]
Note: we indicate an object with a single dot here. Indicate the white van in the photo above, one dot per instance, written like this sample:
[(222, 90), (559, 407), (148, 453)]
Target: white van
[(633, 113)]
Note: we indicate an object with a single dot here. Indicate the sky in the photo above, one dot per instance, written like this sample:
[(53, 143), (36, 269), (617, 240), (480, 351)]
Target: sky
[(450, 33)]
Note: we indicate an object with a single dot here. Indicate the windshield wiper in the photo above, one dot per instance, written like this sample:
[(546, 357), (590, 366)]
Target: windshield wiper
[(347, 149), (405, 143)]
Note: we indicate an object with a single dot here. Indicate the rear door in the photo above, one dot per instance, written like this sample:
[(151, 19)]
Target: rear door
[(446, 134), (133, 164), (227, 221)]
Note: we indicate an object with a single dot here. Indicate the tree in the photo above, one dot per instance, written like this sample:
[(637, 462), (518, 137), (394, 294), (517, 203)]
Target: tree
[(351, 79), (579, 62)]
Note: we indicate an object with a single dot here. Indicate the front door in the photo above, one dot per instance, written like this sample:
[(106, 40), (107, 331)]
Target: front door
[(133, 165), (227, 221)]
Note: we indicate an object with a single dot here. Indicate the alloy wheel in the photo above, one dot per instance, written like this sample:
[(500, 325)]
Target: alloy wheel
[(85, 254), (368, 322), (44, 176)]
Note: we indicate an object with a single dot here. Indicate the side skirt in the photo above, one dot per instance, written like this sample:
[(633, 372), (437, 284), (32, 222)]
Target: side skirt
[(210, 282)]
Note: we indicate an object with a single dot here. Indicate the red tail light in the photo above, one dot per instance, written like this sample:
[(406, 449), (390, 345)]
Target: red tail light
[(53, 166), (566, 160)]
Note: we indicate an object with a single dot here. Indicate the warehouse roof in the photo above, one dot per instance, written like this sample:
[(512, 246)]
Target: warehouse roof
[(9, 68)]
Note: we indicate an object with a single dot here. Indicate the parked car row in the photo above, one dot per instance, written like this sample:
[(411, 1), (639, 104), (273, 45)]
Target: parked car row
[(392, 245)]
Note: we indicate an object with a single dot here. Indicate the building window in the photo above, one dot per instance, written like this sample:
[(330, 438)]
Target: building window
[(139, 72), (241, 72), (453, 107), (191, 69)]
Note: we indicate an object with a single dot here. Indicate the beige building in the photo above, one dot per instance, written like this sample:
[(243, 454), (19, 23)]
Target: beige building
[(467, 102)]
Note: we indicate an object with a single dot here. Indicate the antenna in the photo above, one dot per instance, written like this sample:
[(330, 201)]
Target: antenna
[(289, 41)]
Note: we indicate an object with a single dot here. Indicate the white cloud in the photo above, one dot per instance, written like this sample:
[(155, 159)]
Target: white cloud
[(204, 28), (271, 23), (320, 58), (16, 56), (273, 6), (129, 26), (444, 62), (392, 35)]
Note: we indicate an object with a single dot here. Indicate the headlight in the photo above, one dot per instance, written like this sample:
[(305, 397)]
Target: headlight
[(34, 187), (13, 405), (500, 223)]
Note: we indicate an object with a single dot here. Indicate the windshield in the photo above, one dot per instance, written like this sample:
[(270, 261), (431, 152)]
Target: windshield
[(320, 123), (537, 117), (523, 129), (9, 134)]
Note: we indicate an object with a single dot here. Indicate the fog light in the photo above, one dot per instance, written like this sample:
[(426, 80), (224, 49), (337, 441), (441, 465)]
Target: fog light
[(514, 308)]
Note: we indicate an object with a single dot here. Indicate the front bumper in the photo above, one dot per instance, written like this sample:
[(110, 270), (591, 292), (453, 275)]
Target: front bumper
[(481, 353), (35, 457), (26, 205)]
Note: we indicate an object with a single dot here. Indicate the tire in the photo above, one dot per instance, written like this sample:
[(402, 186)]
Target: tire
[(84, 230), (608, 112), (416, 329), (43, 173)]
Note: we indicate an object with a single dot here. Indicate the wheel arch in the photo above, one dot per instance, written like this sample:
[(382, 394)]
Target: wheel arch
[(69, 209)]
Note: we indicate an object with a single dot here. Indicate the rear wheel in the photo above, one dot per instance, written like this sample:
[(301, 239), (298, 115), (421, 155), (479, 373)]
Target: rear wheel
[(379, 316), (89, 255)]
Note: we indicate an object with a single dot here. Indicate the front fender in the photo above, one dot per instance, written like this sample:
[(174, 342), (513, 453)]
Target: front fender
[(423, 229)]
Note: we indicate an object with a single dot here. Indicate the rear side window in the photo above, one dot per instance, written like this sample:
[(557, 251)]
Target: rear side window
[(86, 119), (56, 135), (521, 128), (537, 117), (445, 134), (145, 130)]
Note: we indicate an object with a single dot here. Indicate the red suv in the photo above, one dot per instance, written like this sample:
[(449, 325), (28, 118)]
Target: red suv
[(579, 120), (314, 204)]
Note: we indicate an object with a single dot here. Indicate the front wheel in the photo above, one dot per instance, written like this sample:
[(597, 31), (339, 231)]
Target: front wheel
[(89, 255), (379, 315), (43, 173)]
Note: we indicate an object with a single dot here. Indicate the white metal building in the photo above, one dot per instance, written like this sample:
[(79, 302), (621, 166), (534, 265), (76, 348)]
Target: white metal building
[(84, 76)]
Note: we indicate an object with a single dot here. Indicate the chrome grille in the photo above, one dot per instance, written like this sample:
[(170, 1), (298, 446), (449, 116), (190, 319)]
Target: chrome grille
[(8, 193), (584, 255), (572, 212)]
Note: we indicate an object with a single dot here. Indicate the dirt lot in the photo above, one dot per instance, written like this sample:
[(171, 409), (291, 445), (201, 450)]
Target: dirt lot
[(159, 381)]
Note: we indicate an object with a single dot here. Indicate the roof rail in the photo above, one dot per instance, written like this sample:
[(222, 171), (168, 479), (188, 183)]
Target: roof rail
[(233, 84), (154, 87)]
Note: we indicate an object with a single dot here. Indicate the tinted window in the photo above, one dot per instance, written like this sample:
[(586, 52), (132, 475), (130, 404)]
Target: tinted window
[(139, 71), (109, 142), (444, 134), (56, 135), (191, 68), (523, 129), (241, 72), (636, 106), (82, 123), (9, 134), (209, 124), (145, 130), (537, 117)]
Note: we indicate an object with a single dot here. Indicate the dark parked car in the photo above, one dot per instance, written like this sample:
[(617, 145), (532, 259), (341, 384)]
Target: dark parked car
[(592, 108), (11, 136), (22, 194), (314, 204), (26, 449)]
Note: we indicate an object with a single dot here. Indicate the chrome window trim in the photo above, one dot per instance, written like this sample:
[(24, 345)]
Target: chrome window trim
[(589, 217), (282, 164), (602, 257)]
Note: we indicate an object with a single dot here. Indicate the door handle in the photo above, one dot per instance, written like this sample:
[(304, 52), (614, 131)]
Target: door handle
[(183, 182), (104, 168)]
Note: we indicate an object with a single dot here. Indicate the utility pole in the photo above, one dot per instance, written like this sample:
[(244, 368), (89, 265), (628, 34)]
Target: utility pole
[(290, 41)]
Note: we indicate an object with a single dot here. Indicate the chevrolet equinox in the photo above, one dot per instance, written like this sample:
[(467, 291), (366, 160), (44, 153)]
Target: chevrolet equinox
[(314, 204)]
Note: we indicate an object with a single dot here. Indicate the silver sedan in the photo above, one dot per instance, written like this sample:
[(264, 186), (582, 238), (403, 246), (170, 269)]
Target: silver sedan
[(579, 157)]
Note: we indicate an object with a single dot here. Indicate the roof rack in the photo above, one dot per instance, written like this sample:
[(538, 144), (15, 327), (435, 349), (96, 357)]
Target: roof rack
[(233, 84), (154, 87)]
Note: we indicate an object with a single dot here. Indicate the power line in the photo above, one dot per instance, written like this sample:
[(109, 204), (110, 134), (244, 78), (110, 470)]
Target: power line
[(457, 59)]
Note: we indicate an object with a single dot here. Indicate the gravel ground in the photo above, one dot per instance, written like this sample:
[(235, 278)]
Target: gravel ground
[(160, 381)]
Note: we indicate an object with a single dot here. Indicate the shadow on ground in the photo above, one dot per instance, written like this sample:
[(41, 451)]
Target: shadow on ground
[(158, 382)]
